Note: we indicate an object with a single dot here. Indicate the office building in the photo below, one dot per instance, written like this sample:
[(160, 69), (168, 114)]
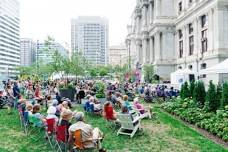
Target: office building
[(28, 52), (90, 36), (9, 37)]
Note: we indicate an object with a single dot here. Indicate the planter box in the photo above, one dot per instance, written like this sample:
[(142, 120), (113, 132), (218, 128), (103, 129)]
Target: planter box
[(67, 93)]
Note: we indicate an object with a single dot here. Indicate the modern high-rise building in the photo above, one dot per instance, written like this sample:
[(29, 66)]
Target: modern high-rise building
[(9, 37), (180, 34), (44, 53), (28, 51), (90, 36)]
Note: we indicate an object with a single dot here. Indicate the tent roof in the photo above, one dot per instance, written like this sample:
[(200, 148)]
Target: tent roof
[(218, 68)]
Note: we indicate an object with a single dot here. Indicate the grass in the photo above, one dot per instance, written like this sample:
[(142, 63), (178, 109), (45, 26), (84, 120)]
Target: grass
[(161, 134)]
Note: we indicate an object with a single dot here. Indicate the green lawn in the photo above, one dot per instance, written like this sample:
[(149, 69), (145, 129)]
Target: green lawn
[(163, 133)]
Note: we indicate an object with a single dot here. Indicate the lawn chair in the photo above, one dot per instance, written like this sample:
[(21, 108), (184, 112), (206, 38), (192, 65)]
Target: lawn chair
[(129, 126), (26, 122), (36, 127), (50, 130), (61, 138), (79, 144)]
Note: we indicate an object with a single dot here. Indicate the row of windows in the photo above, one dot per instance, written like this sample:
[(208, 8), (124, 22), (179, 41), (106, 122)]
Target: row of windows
[(15, 33), (9, 21), (190, 67), (6, 55), (191, 38), (8, 50)]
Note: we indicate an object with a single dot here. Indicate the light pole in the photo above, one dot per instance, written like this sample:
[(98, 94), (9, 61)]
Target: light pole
[(37, 48)]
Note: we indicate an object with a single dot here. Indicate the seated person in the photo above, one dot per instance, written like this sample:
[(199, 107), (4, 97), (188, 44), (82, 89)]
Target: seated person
[(124, 110), (93, 105), (63, 106), (108, 112), (58, 98), (126, 103), (91, 138), (138, 106), (49, 100), (51, 114), (65, 118), (29, 108), (36, 113)]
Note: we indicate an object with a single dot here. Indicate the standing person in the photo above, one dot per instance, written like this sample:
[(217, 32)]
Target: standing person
[(81, 95), (16, 90)]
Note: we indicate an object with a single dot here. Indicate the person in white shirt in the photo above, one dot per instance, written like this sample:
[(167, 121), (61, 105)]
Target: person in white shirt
[(51, 114)]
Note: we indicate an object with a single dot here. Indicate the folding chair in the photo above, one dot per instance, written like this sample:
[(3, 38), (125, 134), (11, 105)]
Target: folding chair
[(61, 138), (50, 130), (21, 117), (129, 126), (36, 126), (26, 122), (79, 144)]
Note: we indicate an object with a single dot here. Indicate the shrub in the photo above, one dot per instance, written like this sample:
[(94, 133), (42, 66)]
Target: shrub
[(100, 88), (185, 93), (191, 88), (219, 95), (224, 100), (199, 93), (211, 99)]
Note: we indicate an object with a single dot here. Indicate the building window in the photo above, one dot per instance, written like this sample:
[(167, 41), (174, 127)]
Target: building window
[(204, 41), (203, 66), (180, 34), (181, 51), (190, 28), (180, 8), (203, 21), (191, 45), (190, 67), (180, 67)]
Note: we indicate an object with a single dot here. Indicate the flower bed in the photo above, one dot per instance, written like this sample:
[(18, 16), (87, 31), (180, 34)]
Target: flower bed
[(187, 110)]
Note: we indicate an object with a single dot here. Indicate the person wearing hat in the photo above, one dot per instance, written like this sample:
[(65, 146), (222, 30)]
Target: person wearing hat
[(87, 133), (51, 114), (65, 117)]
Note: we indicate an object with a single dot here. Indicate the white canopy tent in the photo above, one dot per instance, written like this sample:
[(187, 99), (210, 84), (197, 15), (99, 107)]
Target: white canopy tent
[(221, 68), (180, 76)]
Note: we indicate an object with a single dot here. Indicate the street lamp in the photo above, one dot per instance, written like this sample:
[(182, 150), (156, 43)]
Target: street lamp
[(37, 48)]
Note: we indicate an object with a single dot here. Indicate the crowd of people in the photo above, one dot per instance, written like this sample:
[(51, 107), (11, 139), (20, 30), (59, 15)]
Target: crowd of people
[(37, 97)]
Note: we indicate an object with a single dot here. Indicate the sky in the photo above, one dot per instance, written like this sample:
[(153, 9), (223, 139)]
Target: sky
[(40, 18)]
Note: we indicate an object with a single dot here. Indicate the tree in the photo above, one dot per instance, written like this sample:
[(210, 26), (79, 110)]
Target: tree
[(148, 72), (219, 95), (103, 72), (211, 99), (191, 88), (224, 100), (185, 93), (199, 93)]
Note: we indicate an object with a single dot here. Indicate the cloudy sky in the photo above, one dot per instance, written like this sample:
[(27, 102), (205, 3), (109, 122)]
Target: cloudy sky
[(40, 18)]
